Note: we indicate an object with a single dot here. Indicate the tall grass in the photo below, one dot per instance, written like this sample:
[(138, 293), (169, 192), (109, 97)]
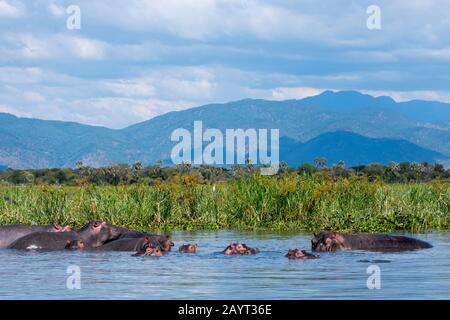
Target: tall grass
[(289, 202)]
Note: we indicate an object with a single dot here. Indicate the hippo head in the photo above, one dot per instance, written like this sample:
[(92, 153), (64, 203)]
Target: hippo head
[(188, 248), (230, 249), (150, 251), (165, 242), (327, 241), (240, 248), (75, 244), (296, 254), (249, 250), (97, 233)]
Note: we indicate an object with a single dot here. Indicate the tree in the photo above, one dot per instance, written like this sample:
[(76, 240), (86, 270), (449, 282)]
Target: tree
[(306, 169), (320, 162)]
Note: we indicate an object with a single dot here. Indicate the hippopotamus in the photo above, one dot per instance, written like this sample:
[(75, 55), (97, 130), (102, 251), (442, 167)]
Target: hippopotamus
[(333, 241), (149, 251), (300, 254), (93, 234), (12, 232), (127, 233), (240, 248), (75, 244), (188, 248), (135, 244)]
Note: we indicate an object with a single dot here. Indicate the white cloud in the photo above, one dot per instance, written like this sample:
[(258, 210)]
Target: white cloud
[(33, 96), (150, 57), (400, 96), (56, 10), (210, 19), (141, 87), (33, 46), (20, 75), (86, 48), (11, 9), (293, 93)]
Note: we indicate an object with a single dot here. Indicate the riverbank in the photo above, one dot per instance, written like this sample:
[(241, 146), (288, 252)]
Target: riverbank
[(290, 202)]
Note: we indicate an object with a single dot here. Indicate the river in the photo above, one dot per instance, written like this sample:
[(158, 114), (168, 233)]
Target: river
[(422, 274)]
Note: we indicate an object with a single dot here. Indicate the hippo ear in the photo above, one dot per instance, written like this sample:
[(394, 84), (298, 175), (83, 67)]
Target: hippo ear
[(146, 240)]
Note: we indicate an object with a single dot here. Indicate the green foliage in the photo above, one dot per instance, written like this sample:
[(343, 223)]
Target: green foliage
[(289, 201), (123, 174)]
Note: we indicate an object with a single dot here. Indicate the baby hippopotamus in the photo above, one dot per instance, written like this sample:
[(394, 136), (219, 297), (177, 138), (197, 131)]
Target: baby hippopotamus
[(240, 248), (300, 254), (333, 241), (188, 248), (149, 251)]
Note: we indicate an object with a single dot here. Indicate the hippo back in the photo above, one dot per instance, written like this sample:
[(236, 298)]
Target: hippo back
[(44, 240), (12, 232), (383, 242)]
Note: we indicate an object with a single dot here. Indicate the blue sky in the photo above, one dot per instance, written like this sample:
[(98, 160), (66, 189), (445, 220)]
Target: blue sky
[(132, 60)]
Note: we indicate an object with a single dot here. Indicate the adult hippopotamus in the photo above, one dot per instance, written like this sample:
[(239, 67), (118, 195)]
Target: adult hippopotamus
[(188, 248), (12, 232), (127, 233), (300, 254), (93, 234), (333, 241), (124, 244), (135, 244), (240, 248)]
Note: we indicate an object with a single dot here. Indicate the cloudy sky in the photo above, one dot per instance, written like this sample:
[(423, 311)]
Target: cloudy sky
[(132, 60)]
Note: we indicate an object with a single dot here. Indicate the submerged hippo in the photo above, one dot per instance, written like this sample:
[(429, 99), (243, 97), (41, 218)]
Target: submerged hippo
[(300, 254), (127, 233), (93, 234), (136, 244), (332, 241), (75, 244), (240, 248), (12, 232), (188, 248), (149, 251)]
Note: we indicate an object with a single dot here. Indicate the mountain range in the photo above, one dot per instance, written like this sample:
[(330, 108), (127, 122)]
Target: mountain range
[(346, 125)]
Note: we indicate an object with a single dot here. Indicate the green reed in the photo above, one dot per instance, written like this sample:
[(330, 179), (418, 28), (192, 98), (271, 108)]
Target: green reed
[(286, 202)]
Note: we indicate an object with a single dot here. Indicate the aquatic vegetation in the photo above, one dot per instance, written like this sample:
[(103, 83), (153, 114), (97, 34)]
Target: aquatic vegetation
[(288, 201)]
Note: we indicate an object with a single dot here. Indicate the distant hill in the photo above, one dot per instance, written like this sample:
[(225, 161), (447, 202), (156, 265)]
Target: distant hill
[(415, 130), (336, 146)]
